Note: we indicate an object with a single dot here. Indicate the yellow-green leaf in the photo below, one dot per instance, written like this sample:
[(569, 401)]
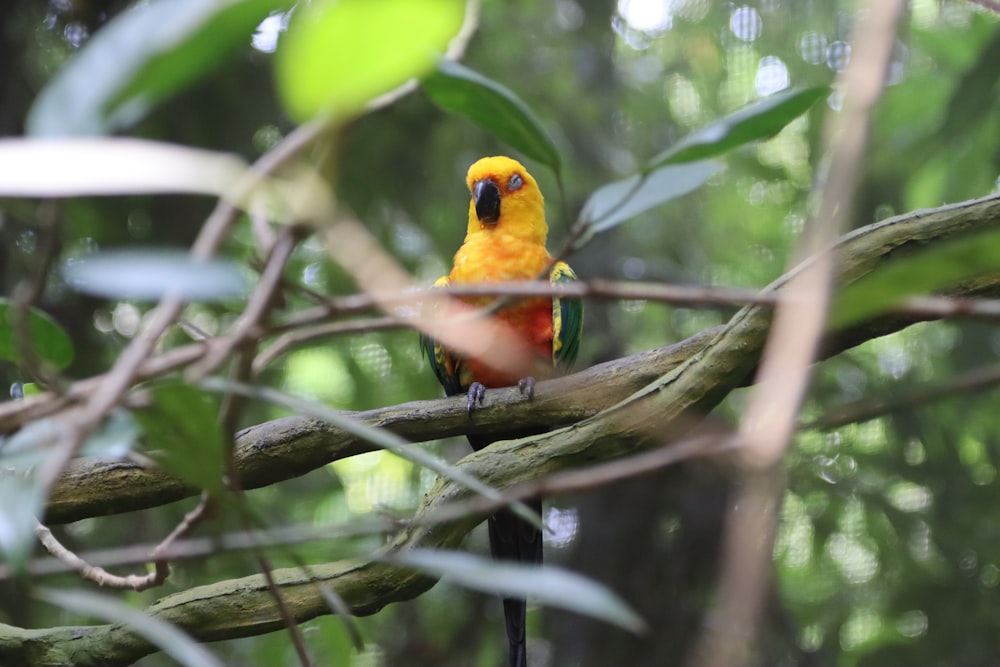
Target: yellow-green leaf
[(339, 54)]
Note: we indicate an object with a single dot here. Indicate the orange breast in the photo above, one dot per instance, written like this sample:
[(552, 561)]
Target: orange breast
[(532, 322), (496, 257)]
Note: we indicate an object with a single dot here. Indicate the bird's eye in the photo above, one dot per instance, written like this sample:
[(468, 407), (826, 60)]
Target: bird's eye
[(515, 183)]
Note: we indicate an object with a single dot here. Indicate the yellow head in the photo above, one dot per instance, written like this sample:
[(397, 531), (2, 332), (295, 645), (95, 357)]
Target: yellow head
[(505, 199)]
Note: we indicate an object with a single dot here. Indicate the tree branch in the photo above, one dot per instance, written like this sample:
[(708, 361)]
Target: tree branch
[(286, 448), (673, 383)]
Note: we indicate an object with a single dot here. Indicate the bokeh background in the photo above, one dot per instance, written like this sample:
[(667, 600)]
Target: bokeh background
[(888, 550)]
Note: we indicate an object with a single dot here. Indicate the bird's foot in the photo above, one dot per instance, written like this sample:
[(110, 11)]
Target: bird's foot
[(527, 387), (477, 392)]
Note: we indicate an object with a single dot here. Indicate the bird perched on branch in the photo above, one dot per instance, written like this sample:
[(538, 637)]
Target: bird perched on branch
[(505, 241)]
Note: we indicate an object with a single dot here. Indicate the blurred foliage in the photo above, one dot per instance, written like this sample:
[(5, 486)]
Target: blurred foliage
[(888, 550)]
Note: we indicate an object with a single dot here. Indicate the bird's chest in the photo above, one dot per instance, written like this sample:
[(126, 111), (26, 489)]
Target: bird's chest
[(489, 258), (505, 259)]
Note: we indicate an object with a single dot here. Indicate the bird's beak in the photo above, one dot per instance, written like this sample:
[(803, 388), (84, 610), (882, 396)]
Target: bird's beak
[(486, 195)]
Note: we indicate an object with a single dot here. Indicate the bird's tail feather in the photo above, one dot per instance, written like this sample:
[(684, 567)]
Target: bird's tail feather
[(513, 539)]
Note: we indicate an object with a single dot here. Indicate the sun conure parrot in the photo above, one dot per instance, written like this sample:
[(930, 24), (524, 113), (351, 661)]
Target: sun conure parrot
[(505, 241)]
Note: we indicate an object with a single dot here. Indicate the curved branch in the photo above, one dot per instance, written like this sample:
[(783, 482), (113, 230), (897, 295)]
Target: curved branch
[(690, 377), (725, 357)]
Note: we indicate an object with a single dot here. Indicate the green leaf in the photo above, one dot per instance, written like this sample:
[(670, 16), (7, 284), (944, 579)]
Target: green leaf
[(460, 90), (50, 342), (151, 274), (546, 584), (141, 57), (761, 120), (931, 269), (184, 435), (338, 55), (165, 636), (614, 203)]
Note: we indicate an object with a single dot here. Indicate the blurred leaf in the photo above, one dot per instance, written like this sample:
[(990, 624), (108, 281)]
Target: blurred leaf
[(112, 166), (460, 90), (546, 584), (30, 389), (974, 98), (928, 270), (379, 437), (165, 636), (184, 435), (338, 55), (614, 203), (115, 439), (141, 57), (151, 274), (761, 120), (32, 444), (22, 498), (50, 342)]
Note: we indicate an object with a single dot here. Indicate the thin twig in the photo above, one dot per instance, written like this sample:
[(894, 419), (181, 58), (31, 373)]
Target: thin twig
[(134, 582), (197, 547), (256, 310), (697, 296), (93, 573), (298, 328), (914, 397)]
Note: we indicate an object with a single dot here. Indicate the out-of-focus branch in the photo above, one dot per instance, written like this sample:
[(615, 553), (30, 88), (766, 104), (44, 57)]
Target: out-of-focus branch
[(679, 383), (873, 244), (768, 424), (275, 451)]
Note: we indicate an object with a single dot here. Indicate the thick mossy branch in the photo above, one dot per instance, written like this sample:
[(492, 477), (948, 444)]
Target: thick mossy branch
[(292, 446), (619, 408), (285, 448)]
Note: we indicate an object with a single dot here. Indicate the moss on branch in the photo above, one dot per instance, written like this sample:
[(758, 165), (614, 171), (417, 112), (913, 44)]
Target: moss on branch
[(607, 411)]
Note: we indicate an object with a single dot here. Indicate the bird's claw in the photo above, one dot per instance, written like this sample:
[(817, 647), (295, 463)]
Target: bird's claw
[(527, 387), (477, 392)]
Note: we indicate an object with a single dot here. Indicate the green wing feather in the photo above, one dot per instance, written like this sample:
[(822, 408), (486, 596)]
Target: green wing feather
[(445, 367), (567, 320)]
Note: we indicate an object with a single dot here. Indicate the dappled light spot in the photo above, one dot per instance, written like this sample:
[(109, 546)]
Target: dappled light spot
[(794, 541), (909, 497), (377, 480), (684, 100), (126, 319), (838, 55), (912, 624), (319, 373), (649, 16), (563, 524), (811, 638), (268, 32), (746, 24), (372, 358), (772, 76), (633, 268), (862, 626), (812, 48)]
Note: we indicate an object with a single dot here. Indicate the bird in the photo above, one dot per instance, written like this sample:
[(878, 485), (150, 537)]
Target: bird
[(505, 241)]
